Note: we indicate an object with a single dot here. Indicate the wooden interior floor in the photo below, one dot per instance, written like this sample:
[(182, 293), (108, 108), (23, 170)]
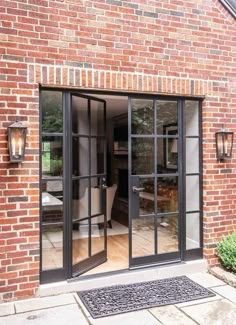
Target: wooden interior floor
[(117, 255), (117, 251)]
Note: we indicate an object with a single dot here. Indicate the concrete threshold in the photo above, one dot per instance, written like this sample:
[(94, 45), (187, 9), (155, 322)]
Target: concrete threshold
[(125, 277)]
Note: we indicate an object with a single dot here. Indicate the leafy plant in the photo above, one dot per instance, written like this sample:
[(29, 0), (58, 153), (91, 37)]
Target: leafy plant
[(51, 112), (227, 252), (56, 167)]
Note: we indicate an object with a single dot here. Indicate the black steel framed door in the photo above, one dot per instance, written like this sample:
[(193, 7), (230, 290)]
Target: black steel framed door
[(88, 182), (154, 180)]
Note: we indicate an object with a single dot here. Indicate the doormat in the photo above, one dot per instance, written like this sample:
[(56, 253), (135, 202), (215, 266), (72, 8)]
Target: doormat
[(126, 298)]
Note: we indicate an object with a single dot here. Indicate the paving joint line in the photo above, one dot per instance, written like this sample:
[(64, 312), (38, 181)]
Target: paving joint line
[(29, 311), (225, 297), (155, 316), (188, 316)]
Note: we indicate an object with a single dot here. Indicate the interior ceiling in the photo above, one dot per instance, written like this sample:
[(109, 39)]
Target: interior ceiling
[(116, 105)]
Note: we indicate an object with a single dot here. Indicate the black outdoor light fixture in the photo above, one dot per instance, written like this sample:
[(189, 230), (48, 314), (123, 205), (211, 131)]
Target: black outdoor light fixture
[(16, 141), (224, 144)]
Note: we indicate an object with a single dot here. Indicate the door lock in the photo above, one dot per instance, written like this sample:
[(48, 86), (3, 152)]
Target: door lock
[(137, 189)]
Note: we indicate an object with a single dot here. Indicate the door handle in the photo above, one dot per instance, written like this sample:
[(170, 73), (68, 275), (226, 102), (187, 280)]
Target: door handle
[(104, 187), (137, 189)]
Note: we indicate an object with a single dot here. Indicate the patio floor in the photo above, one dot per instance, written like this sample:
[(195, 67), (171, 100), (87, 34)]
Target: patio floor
[(68, 309)]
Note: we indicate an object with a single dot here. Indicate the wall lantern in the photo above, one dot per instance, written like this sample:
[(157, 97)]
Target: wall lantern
[(224, 144), (16, 141)]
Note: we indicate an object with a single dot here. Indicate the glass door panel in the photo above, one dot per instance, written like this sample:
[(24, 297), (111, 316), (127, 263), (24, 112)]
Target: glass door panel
[(89, 240), (154, 186)]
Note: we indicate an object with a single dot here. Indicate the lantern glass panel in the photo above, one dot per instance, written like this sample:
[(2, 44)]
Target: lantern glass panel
[(17, 137), (224, 144)]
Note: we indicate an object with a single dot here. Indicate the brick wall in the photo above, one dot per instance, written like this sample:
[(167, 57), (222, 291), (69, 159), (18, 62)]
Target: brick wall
[(169, 47)]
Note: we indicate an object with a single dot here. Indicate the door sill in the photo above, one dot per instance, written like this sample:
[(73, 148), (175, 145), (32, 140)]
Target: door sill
[(123, 277)]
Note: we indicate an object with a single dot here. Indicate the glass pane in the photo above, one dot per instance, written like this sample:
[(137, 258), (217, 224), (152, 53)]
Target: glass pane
[(80, 199), (142, 116), (52, 247), (97, 156), (80, 120), (146, 197), (192, 155), (52, 200), (97, 239), (80, 156), (97, 118), (192, 193), (167, 116), (52, 153), (142, 156), (52, 116), (143, 242), (167, 155), (80, 241), (167, 237), (167, 194), (191, 117), (52, 233), (192, 230), (96, 200)]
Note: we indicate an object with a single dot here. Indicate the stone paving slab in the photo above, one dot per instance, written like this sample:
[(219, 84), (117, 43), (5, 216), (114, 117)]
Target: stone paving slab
[(206, 280), (7, 309), (221, 312), (46, 302), (226, 291), (199, 301), (142, 317), (63, 315), (170, 315)]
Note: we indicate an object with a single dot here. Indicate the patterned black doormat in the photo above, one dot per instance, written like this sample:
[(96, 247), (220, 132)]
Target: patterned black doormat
[(125, 298)]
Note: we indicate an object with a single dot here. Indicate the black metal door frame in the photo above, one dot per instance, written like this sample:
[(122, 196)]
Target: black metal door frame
[(66, 272), (101, 257), (182, 254)]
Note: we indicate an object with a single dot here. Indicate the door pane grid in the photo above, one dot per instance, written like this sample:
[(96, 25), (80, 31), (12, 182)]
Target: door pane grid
[(94, 159), (165, 211), (192, 175)]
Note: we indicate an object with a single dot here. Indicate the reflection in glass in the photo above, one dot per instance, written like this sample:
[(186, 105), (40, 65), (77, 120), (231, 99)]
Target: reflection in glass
[(80, 199), (191, 117), (52, 247), (192, 193), (192, 230), (192, 155), (52, 162), (143, 236), (80, 241), (80, 120), (166, 115), (146, 197), (52, 117), (80, 156), (167, 194), (97, 118), (142, 116), (97, 156), (96, 199), (97, 238), (52, 202), (142, 156), (52, 221), (167, 155), (167, 237)]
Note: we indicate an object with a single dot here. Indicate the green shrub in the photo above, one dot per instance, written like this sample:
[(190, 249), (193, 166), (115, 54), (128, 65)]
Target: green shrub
[(227, 252)]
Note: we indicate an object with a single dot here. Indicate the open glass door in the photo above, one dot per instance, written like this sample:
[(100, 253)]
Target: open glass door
[(154, 187), (88, 183)]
